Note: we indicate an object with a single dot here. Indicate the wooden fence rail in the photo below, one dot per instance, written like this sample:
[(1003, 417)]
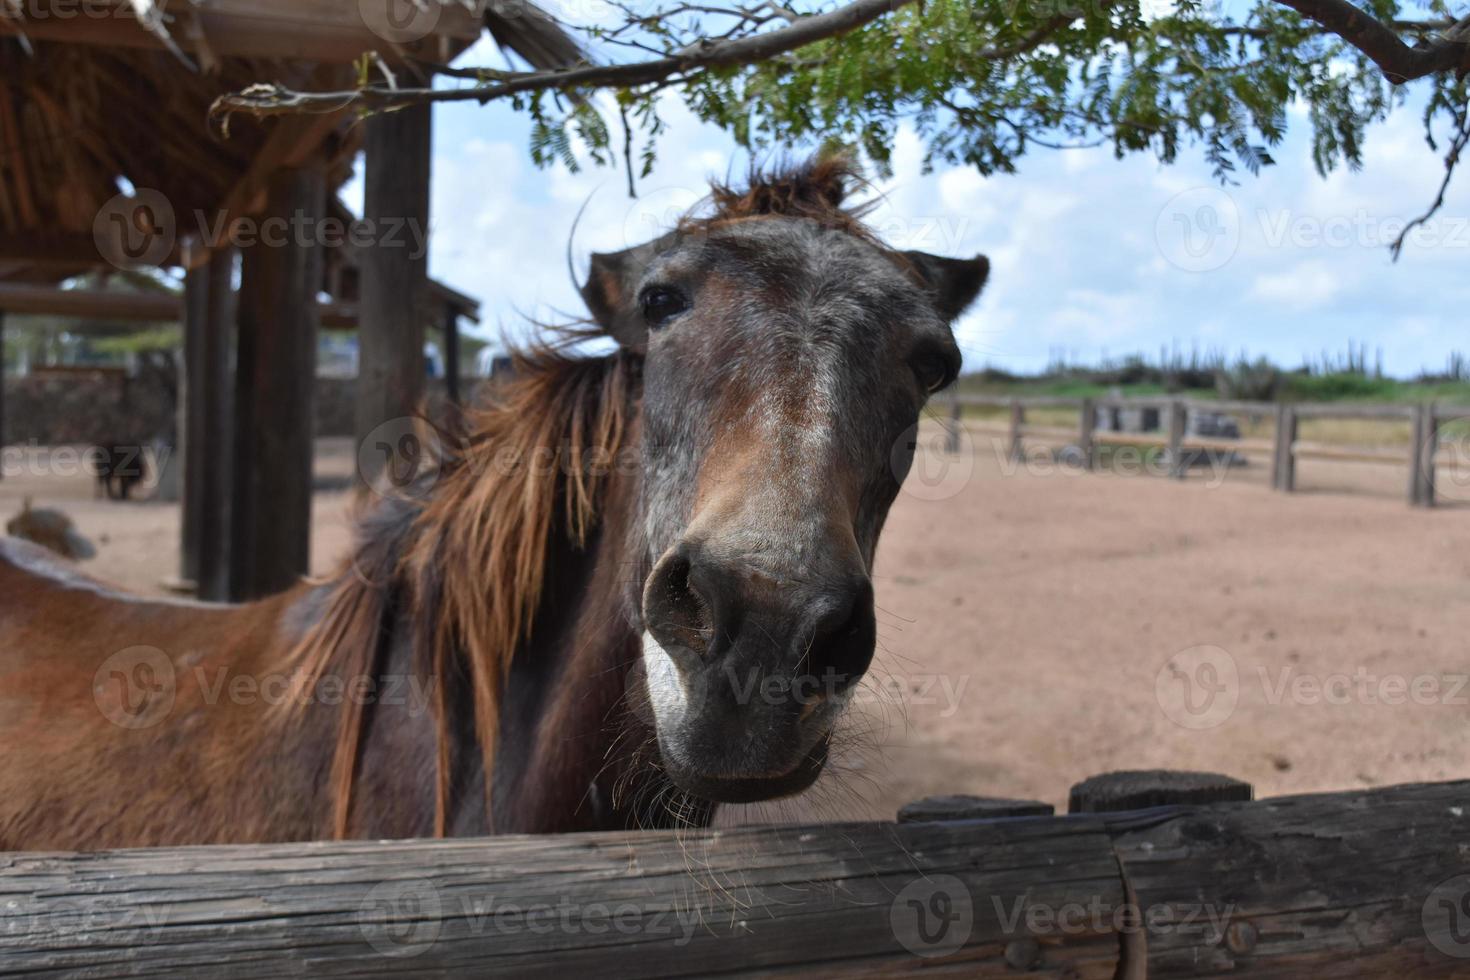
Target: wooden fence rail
[(1361, 884), (1424, 458)]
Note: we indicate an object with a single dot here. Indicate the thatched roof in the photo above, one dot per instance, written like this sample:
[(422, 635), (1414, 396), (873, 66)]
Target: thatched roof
[(86, 100)]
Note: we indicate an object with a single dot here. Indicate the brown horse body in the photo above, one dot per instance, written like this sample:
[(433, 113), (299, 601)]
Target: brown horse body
[(153, 722), (631, 587)]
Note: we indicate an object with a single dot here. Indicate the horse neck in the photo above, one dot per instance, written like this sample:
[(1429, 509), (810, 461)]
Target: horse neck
[(573, 753)]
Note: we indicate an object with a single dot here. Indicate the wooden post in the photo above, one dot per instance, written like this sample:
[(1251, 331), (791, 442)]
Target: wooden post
[(1018, 420), (1284, 460), (952, 435), (394, 276), (211, 408), (1178, 419), (451, 355), (2, 394), (270, 534), (1423, 441), (191, 408), (1084, 436), (1431, 450)]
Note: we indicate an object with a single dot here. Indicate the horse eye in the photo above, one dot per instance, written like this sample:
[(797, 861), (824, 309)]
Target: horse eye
[(661, 304), (933, 371)]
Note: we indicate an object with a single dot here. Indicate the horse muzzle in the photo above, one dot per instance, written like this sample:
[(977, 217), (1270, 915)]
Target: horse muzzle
[(748, 669)]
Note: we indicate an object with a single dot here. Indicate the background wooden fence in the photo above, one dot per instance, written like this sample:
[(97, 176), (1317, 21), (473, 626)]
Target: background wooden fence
[(1425, 456)]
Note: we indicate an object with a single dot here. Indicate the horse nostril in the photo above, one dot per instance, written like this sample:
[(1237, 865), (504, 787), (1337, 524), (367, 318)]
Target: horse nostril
[(843, 641), (677, 615)]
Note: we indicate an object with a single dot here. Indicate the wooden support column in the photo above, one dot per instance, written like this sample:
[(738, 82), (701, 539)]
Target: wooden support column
[(2, 393), (275, 378), (394, 276), (451, 356), (209, 342), (191, 409)]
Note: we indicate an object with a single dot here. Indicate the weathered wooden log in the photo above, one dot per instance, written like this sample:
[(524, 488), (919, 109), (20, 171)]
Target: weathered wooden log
[(1136, 789), (1364, 884), (960, 807)]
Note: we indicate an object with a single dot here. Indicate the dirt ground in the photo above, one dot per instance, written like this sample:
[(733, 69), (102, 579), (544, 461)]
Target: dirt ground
[(1039, 625)]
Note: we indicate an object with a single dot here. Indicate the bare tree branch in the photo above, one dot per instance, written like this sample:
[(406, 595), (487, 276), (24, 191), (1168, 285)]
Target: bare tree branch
[(1398, 62), (269, 100), (1451, 160)]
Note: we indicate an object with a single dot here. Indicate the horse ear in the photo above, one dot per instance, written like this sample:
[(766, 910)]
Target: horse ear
[(954, 283), (610, 291)]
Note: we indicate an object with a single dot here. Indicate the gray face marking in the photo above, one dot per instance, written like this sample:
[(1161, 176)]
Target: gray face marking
[(795, 351)]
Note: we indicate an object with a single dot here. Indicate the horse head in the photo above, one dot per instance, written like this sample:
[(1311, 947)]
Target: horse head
[(787, 354)]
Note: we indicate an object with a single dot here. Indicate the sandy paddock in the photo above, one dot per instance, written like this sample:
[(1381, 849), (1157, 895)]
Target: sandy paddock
[(1039, 625)]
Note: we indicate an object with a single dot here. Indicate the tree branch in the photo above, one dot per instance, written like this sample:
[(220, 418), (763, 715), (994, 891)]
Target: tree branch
[(1451, 160), (1398, 62), (269, 100)]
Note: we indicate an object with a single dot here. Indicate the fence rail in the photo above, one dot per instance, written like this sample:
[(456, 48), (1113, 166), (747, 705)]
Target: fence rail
[(1423, 457), (1359, 884)]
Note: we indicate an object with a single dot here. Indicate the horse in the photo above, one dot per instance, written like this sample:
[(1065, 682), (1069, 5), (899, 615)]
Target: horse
[(634, 584)]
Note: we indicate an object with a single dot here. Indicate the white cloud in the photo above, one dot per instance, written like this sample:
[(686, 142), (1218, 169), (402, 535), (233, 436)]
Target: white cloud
[(1306, 286)]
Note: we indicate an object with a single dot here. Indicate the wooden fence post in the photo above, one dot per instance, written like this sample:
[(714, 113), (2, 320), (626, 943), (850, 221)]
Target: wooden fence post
[(1018, 420), (1284, 470), (1177, 420), (1088, 423), (1422, 446), (952, 437)]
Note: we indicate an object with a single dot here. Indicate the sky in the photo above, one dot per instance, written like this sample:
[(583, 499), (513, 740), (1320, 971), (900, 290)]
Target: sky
[(1090, 255)]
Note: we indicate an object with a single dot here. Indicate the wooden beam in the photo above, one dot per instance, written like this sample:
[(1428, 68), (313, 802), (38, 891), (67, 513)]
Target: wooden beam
[(102, 304), (326, 31), (393, 279), (1363, 884), (274, 385)]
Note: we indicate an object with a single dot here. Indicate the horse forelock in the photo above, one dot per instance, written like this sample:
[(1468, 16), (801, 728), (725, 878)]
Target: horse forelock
[(467, 561), (816, 189)]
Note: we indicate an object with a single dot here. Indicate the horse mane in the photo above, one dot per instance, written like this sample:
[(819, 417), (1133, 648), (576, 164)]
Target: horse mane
[(466, 561), (815, 189)]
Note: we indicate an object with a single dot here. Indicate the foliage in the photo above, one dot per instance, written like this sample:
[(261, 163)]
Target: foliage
[(984, 82)]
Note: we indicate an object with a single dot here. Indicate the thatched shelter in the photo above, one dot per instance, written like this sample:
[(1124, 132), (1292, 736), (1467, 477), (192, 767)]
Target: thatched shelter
[(109, 160)]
